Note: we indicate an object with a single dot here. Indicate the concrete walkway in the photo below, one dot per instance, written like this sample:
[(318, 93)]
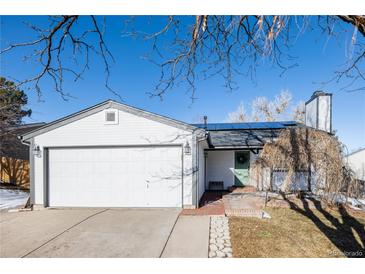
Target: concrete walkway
[(189, 238)]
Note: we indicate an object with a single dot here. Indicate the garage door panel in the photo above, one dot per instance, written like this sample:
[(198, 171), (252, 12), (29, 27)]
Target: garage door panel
[(115, 177)]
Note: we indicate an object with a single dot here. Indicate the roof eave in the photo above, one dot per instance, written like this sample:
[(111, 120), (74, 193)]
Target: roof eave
[(104, 105), (236, 147)]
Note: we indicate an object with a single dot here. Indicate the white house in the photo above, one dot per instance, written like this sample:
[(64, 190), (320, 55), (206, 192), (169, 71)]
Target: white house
[(114, 155)]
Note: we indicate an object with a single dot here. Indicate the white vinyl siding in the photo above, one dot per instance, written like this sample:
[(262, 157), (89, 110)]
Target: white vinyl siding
[(220, 167), (131, 130), (356, 162)]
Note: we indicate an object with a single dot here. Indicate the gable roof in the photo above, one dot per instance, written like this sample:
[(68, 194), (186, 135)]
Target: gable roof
[(25, 128), (12, 146), (105, 105)]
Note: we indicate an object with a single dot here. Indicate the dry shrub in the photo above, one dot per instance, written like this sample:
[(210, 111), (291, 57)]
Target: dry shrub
[(300, 149)]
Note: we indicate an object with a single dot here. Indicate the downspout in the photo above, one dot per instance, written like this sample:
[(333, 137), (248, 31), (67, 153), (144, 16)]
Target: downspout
[(23, 142), (31, 167)]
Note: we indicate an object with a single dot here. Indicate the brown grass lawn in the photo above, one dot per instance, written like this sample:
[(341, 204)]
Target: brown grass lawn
[(299, 233)]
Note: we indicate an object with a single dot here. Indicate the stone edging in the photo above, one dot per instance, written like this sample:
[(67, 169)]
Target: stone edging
[(219, 239)]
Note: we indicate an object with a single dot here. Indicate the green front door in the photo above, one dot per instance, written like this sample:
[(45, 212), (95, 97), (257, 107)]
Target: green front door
[(241, 166)]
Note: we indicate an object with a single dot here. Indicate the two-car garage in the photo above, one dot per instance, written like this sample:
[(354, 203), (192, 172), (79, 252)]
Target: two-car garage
[(113, 155), (149, 176)]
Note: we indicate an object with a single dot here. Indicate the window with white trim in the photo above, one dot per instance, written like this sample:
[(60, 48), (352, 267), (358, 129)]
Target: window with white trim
[(111, 117)]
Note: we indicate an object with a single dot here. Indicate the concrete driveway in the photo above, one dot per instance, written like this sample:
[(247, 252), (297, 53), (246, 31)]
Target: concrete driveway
[(87, 232)]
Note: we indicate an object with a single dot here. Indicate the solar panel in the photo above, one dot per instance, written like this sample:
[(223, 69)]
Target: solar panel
[(250, 125)]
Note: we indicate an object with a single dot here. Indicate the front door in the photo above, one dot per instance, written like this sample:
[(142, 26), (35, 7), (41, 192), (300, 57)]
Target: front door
[(242, 164)]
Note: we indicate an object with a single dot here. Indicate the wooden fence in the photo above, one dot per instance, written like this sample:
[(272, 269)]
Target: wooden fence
[(14, 172)]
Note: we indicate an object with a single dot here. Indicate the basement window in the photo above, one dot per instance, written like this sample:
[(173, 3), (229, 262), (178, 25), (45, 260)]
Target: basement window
[(111, 117)]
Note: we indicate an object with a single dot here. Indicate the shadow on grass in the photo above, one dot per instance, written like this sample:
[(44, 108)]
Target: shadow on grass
[(341, 234)]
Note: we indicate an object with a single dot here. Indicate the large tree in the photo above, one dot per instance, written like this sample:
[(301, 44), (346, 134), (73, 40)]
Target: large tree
[(12, 111), (188, 49), (264, 109)]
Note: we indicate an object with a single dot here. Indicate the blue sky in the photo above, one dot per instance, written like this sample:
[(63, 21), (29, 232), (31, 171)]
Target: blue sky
[(134, 77)]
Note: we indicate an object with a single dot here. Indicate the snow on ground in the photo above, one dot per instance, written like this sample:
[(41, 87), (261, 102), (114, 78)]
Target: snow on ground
[(12, 198), (354, 203)]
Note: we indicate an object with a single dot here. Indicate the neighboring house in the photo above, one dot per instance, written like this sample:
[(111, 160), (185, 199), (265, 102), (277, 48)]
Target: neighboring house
[(356, 161), (14, 162), (114, 155)]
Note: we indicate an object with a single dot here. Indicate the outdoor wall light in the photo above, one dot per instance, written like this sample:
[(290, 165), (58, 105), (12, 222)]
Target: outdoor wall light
[(187, 148), (37, 151)]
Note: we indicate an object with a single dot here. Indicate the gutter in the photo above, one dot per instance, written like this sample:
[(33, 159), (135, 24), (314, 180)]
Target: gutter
[(23, 141)]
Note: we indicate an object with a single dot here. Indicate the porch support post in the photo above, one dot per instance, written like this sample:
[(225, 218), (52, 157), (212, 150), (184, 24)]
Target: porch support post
[(195, 155)]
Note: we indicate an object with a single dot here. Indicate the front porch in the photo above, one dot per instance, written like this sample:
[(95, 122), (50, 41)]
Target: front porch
[(227, 168), (225, 159)]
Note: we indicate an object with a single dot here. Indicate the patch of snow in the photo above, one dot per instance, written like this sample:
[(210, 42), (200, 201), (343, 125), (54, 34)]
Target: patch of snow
[(341, 199), (357, 202), (265, 215), (313, 196), (12, 198), (354, 207)]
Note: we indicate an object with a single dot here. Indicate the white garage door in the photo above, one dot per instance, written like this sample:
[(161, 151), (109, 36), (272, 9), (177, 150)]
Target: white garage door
[(115, 177)]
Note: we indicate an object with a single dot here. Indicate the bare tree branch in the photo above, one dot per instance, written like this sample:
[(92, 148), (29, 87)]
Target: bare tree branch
[(357, 20), (53, 46), (186, 51)]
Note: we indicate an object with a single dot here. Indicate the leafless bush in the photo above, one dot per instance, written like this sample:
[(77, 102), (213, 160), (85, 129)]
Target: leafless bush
[(315, 151)]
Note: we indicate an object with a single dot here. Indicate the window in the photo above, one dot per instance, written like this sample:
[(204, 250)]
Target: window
[(111, 117)]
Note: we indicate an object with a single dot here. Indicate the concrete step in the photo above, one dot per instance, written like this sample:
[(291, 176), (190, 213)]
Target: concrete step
[(257, 213)]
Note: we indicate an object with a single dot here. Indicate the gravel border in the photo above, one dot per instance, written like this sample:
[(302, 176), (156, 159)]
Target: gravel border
[(219, 239)]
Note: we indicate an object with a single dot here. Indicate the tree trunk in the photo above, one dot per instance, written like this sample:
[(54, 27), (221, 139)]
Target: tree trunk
[(309, 178), (271, 186)]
